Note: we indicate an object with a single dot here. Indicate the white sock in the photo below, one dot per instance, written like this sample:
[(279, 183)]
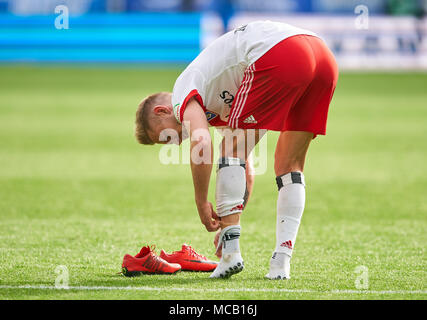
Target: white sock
[(229, 239), (290, 206)]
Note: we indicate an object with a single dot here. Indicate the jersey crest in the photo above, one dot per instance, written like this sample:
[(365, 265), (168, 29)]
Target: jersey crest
[(210, 115)]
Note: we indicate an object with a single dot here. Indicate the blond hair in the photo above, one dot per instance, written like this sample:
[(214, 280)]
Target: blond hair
[(144, 114)]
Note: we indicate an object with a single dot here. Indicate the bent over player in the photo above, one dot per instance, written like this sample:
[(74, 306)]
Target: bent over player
[(263, 75)]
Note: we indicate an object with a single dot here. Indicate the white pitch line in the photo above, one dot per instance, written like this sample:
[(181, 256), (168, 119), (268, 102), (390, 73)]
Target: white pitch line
[(131, 288)]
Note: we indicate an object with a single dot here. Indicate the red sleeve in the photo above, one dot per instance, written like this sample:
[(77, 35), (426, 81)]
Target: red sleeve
[(193, 94)]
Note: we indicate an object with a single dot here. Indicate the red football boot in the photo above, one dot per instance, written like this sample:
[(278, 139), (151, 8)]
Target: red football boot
[(189, 260), (146, 262)]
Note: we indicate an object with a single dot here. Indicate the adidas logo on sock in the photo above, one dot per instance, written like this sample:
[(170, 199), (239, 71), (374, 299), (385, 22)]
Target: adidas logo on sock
[(287, 244), (250, 119)]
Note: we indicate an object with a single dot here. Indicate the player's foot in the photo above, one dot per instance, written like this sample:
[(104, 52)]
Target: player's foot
[(189, 259), (280, 267), (147, 262), (231, 260), (230, 263)]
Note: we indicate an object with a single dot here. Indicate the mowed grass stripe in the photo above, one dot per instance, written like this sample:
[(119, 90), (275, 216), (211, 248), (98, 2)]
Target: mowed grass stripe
[(217, 290)]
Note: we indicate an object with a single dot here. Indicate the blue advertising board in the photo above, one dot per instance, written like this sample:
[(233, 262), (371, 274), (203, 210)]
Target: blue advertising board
[(143, 37)]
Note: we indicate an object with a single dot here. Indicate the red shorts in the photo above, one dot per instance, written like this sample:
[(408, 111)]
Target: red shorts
[(288, 89)]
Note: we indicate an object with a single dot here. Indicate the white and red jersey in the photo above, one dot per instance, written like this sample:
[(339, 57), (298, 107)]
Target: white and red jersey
[(215, 75)]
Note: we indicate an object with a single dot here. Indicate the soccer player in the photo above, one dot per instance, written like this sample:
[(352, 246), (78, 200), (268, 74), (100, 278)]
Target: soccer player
[(263, 75)]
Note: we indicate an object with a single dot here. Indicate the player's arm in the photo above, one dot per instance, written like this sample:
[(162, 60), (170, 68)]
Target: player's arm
[(250, 179), (200, 161)]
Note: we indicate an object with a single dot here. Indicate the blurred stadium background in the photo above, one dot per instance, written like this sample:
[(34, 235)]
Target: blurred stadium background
[(370, 34)]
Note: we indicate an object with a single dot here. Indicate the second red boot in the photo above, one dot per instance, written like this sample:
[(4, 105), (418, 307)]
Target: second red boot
[(189, 259)]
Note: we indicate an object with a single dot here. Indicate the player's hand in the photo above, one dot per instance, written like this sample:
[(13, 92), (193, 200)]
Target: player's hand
[(218, 252), (208, 216)]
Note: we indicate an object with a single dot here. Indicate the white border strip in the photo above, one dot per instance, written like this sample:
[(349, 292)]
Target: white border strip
[(219, 290)]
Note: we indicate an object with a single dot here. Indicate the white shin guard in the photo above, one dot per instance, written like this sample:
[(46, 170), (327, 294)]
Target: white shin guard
[(230, 186)]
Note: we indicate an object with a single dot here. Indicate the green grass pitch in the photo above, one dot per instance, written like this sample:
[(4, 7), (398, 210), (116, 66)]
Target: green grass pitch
[(77, 190)]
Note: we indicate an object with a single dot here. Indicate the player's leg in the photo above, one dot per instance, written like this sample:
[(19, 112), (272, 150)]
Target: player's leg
[(291, 150), (306, 119), (231, 187), (292, 96), (230, 197), (289, 162), (250, 179)]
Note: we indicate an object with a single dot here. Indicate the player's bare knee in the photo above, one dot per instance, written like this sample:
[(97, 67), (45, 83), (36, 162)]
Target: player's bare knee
[(282, 166)]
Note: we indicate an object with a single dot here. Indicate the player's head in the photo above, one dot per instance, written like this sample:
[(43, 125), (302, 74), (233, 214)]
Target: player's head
[(154, 114)]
